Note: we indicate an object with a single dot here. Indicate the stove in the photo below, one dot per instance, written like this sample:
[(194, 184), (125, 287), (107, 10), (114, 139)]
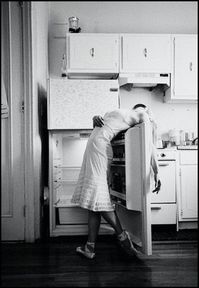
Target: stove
[(166, 154)]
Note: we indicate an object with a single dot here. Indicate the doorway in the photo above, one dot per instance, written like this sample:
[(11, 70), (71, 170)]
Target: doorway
[(12, 124)]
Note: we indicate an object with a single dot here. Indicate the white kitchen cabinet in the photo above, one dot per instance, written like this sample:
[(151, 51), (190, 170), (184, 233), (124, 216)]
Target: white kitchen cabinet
[(189, 194), (163, 214), (184, 73), (92, 53), (72, 103), (145, 53), (188, 191), (163, 204)]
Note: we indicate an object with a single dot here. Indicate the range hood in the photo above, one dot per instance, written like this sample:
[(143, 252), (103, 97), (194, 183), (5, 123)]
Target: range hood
[(144, 79)]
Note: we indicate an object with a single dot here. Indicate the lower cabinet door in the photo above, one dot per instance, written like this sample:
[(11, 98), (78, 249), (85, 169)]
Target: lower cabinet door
[(163, 214), (189, 191)]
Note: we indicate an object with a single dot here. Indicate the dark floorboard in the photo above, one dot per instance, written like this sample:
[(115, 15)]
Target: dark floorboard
[(55, 264)]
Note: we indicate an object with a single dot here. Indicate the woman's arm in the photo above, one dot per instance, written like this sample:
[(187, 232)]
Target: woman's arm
[(154, 165), (154, 160)]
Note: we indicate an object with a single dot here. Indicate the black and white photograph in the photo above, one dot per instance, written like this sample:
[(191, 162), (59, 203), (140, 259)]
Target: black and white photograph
[(99, 144)]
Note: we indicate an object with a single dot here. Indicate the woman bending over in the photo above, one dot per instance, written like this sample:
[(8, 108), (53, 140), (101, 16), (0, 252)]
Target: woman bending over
[(92, 191)]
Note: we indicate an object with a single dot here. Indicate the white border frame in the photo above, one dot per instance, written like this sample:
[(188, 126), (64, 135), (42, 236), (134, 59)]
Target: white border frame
[(28, 123)]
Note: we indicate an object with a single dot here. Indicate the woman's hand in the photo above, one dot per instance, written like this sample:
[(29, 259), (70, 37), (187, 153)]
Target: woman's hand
[(98, 121), (157, 184)]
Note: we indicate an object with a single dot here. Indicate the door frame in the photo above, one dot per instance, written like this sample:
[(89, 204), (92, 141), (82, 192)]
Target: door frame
[(28, 122)]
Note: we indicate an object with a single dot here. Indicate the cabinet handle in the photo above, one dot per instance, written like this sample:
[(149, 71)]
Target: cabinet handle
[(163, 164), (145, 52), (156, 208), (190, 66), (92, 51)]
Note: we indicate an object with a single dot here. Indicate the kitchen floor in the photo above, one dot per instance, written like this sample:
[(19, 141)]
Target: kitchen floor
[(55, 264)]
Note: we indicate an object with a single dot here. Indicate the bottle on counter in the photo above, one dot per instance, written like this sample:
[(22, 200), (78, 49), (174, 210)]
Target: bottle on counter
[(174, 137), (182, 138), (159, 142), (63, 67)]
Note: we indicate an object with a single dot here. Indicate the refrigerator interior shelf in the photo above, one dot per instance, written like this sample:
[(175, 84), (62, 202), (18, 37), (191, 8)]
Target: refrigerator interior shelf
[(118, 142), (67, 167), (64, 203), (118, 194), (65, 181), (119, 159)]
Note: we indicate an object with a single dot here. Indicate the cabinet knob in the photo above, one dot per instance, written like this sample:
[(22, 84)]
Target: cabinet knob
[(145, 52), (92, 52), (162, 155)]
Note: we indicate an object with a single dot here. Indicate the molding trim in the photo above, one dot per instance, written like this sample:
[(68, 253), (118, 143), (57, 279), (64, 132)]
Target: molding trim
[(28, 123)]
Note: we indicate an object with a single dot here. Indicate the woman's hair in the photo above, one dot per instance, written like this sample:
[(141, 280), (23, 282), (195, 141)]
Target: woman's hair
[(138, 106)]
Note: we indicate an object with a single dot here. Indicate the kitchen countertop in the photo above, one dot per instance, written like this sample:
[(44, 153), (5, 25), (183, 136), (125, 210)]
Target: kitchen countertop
[(190, 147)]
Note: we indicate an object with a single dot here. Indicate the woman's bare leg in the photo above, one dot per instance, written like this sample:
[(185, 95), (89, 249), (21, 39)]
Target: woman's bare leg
[(88, 250), (94, 219), (123, 236), (112, 218)]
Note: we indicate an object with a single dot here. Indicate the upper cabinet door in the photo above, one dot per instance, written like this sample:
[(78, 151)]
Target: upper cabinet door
[(145, 53), (96, 53), (184, 71), (185, 66)]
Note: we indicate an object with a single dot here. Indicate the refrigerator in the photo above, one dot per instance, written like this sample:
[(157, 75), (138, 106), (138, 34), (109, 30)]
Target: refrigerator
[(71, 107), (130, 183)]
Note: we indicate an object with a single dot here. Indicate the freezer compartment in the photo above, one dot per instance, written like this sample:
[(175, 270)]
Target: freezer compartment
[(73, 103)]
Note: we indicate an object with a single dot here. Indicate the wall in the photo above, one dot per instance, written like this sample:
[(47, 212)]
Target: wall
[(168, 116), (129, 17), (40, 17)]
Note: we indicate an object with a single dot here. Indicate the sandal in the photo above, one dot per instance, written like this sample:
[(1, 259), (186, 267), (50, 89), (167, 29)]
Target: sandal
[(87, 251)]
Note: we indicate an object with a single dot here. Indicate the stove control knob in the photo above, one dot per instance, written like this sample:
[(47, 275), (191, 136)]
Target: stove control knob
[(162, 155)]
